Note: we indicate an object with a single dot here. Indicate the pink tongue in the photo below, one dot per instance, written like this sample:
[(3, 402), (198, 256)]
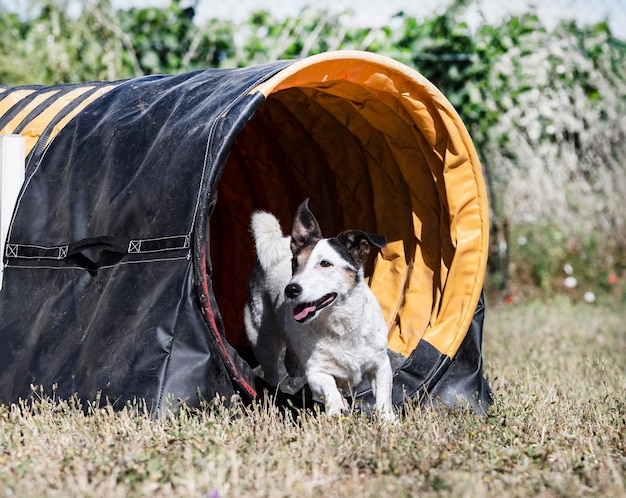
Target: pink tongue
[(301, 312)]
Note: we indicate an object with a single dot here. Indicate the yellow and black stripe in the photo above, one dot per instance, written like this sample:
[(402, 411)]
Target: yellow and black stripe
[(39, 112)]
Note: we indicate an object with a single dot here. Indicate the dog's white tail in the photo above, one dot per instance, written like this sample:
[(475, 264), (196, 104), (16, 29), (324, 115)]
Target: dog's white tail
[(272, 247)]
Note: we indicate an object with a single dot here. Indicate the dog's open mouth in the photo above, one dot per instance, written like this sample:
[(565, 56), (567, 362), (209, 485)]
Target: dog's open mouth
[(304, 311)]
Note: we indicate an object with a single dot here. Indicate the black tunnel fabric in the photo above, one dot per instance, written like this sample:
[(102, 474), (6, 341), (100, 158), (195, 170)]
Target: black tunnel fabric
[(128, 254), (99, 296)]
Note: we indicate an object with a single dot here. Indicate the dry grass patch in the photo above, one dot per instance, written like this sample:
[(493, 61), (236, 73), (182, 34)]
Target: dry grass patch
[(558, 429)]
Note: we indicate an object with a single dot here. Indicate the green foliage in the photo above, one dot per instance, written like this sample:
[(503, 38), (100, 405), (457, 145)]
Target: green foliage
[(180, 44), (546, 256), (48, 45), (545, 108)]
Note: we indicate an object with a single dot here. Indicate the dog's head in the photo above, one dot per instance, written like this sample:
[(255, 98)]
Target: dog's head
[(324, 270)]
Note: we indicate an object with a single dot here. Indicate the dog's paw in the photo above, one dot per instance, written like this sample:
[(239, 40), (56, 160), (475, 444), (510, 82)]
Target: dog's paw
[(337, 408), (388, 417)]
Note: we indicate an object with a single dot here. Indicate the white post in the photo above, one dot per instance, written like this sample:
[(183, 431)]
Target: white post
[(12, 166)]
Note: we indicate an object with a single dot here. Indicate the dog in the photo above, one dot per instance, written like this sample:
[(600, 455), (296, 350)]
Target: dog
[(310, 310)]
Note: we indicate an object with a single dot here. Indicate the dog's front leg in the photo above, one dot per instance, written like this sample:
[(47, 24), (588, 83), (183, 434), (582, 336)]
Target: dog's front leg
[(325, 387), (382, 382)]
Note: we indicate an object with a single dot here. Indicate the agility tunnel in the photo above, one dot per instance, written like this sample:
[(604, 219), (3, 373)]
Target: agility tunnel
[(128, 253)]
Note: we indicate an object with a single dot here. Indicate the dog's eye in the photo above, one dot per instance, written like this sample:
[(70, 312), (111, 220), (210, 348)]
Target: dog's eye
[(294, 264), (325, 263)]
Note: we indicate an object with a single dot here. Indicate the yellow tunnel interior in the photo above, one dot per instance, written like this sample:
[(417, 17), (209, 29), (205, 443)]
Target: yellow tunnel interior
[(375, 147)]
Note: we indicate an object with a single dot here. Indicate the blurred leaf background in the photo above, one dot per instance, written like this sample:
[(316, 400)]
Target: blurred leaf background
[(546, 107)]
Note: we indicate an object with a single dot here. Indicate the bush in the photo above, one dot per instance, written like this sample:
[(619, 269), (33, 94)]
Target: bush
[(545, 109)]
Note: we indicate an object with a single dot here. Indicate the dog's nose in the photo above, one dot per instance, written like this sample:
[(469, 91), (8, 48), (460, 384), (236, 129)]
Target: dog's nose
[(293, 290)]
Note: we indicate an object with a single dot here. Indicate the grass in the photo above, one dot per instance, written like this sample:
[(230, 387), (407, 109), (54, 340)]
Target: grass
[(558, 428)]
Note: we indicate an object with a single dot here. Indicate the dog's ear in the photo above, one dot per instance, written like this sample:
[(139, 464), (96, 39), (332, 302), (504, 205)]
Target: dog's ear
[(305, 227), (358, 243)]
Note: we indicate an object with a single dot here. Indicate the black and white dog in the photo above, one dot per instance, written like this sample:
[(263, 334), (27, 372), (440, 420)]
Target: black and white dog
[(308, 294)]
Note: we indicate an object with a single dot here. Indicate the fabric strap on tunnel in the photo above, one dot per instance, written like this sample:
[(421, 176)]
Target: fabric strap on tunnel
[(112, 244)]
